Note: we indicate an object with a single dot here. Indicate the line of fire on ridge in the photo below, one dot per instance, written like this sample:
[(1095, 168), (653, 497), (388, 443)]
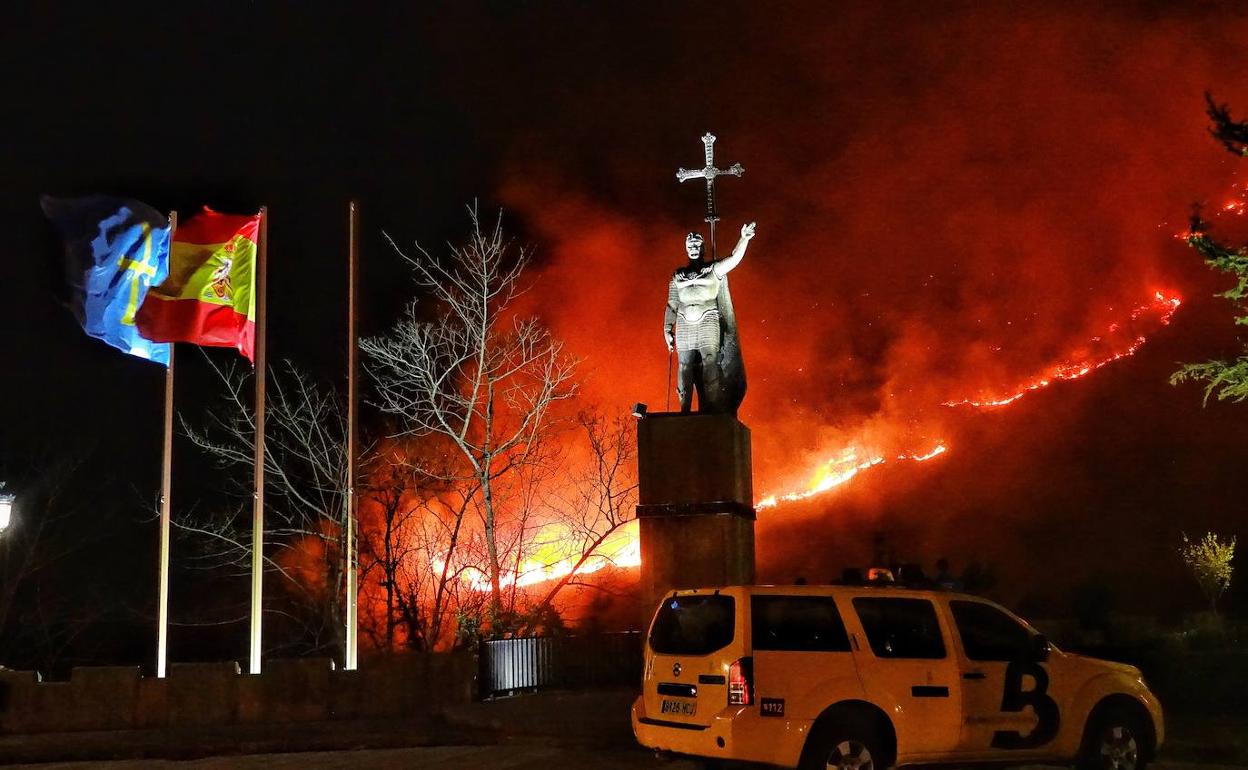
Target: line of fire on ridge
[(623, 548)]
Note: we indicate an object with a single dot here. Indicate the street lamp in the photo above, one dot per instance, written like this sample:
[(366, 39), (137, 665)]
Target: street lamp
[(6, 511)]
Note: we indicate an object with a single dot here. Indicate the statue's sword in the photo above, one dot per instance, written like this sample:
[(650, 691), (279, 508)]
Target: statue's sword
[(709, 172)]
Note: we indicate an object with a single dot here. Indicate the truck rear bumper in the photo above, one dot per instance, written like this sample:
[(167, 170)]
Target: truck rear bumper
[(735, 733)]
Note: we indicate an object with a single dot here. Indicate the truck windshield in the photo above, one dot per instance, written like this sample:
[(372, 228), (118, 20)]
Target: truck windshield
[(693, 625)]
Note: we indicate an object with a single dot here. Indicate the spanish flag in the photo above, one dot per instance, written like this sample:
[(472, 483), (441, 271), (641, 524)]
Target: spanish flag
[(209, 297)]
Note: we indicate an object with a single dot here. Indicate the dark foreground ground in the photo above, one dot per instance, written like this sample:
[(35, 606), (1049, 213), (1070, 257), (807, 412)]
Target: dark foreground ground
[(434, 758), (559, 731), (446, 758)]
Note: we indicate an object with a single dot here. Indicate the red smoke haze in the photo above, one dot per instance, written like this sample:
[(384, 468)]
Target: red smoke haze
[(950, 201)]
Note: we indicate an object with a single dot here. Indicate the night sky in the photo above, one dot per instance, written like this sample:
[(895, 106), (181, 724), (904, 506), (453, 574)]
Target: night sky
[(950, 201)]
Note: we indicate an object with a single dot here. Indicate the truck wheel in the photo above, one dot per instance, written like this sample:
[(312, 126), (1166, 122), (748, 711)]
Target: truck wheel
[(1114, 741), (843, 748)]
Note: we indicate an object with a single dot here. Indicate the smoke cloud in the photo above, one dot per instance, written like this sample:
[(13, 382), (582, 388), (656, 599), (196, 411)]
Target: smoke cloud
[(951, 200)]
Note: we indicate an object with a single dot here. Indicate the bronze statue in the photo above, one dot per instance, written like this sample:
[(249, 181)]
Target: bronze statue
[(700, 324), (699, 306)]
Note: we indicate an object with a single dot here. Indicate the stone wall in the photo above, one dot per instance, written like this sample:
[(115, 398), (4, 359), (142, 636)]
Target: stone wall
[(296, 690)]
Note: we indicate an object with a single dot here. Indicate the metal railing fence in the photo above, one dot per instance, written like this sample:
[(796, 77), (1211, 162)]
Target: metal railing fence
[(559, 662)]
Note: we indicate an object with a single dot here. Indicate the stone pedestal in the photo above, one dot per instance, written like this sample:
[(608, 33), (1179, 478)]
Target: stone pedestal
[(695, 504)]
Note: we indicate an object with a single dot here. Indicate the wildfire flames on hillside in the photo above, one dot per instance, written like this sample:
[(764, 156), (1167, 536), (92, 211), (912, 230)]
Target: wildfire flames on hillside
[(923, 263), (1100, 352), (554, 556)]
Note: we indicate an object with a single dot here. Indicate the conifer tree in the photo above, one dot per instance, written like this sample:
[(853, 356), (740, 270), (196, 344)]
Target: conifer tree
[(1227, 379)]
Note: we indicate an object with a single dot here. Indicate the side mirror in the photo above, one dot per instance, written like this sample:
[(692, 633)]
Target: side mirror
[(1038, 648)]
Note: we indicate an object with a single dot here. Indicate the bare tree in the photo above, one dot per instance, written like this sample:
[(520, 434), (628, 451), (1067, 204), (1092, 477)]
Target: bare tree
[(411, 549), (386, 546), (305, 492), (599, 499), (472, 373)]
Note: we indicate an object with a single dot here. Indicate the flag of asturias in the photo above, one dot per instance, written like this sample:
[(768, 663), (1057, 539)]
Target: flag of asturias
[(114, 250), (209, 297)]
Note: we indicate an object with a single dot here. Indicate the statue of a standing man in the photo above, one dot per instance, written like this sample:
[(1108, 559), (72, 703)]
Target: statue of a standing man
[(700, 308)]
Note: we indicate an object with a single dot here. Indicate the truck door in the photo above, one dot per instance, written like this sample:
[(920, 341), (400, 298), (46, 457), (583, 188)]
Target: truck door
[(692, 645), (802, 658), (909, 671), (1007, 709)]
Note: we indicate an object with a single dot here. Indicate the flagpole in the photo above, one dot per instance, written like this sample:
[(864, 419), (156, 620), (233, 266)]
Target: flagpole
[(166, 486), (257, 518), (353, 228)]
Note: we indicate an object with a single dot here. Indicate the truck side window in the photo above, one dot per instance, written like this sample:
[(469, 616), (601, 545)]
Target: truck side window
[(797, 623), (988, 633), (900, 628)]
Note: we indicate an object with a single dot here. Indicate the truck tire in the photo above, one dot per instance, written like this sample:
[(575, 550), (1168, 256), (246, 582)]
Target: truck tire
[(1115, 739), (843, 747)]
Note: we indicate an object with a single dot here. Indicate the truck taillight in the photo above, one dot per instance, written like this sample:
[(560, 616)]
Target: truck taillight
[(741, 682)]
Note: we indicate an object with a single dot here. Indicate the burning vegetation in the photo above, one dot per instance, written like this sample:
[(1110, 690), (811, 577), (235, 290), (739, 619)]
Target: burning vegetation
[(934, 263)]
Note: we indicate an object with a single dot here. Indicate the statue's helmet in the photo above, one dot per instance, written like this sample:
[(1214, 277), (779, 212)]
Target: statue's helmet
[(693, 245)]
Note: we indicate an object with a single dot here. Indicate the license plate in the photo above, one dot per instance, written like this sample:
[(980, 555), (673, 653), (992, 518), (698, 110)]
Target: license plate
[(682, 707)]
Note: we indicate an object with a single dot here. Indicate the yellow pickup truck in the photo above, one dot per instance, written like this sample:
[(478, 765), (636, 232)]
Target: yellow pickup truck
[(868, 677)]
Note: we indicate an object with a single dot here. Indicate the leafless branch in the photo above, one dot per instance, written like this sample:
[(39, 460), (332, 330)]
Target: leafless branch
[(476, 376)]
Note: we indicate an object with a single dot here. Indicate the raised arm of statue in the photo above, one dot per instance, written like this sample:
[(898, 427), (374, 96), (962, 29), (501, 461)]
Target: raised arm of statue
[(725, 265), (669, 314)]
